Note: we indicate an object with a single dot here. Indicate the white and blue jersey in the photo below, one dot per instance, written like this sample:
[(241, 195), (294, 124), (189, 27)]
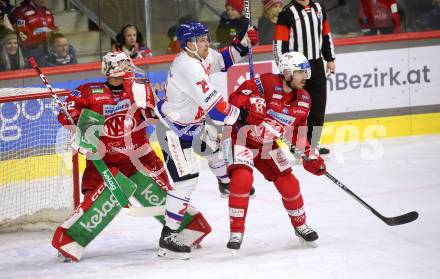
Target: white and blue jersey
[(190, 95)]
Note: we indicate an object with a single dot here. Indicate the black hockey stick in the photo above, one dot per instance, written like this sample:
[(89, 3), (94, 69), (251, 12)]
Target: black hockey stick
[(390, 221)]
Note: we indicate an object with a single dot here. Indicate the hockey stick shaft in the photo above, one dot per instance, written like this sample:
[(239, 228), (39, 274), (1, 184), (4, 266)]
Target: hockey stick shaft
[(34, 65), (391, 221), (247, 12), (105, 173)]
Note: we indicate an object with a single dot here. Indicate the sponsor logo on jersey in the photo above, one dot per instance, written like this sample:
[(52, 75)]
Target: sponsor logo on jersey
[(97, 91), (211, 95), (277, 96), (260, 86), (282, 118), (278, 89), (303, 104), (76, 93), (285, 110), (305, 97), (112, 109), (21, 23), (99, 98), (119, 125), (29, 13), (236, 212)]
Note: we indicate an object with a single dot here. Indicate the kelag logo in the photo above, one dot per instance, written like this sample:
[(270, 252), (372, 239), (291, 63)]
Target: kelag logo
[(239, 73)]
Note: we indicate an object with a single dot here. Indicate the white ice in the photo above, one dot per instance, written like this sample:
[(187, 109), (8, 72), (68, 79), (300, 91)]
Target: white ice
[(353, 243)]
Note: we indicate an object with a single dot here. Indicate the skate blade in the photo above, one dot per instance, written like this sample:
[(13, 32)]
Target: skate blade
[(311, 244), (165, 253), (64, 259), (234, 252)]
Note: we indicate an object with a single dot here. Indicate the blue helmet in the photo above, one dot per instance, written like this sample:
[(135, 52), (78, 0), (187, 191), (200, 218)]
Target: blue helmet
[(189, 31)]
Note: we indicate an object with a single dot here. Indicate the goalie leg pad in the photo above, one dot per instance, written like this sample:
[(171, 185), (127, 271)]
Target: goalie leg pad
[(90, 218), (194, 232)]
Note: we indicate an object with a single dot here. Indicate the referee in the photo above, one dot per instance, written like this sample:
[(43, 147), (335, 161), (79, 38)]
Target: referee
[(303, 27)]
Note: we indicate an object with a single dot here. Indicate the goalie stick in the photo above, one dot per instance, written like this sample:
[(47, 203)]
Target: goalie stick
[(390, 221), (105, 173)]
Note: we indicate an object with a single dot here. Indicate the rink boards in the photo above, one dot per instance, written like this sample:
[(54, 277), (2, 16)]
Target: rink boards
[(374, 94)]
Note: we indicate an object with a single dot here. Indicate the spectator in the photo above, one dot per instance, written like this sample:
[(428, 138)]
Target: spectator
[(266, 23), (33, 21), (431, 20), (5, 8), (379, 17), (173, 45), (130, 41), (11, 57), (231, 22), (60, 51)]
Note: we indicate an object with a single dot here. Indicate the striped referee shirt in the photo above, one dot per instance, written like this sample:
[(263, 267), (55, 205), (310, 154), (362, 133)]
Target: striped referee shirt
[(303, 29)]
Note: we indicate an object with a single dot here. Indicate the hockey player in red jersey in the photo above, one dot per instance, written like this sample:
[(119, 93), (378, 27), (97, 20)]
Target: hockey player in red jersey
[(124, 147), (270, 105), (379, 16)]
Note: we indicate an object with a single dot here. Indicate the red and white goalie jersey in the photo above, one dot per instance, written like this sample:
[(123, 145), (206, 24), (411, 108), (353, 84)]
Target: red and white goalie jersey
[(123, 131)]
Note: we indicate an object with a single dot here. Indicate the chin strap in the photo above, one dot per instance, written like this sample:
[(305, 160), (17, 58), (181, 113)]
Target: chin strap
[(195, 52)]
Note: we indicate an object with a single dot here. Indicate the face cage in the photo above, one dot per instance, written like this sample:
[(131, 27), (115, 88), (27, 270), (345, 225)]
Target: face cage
[(119, 68)]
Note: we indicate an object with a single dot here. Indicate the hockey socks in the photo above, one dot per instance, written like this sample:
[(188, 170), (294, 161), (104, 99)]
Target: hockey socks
[(90, 218), (240, 186), (194, 226), (288, 186)]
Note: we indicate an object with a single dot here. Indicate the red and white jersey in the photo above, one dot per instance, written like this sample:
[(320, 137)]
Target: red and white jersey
[(32, 23), (121, 132), (190, 94), (286, 111)]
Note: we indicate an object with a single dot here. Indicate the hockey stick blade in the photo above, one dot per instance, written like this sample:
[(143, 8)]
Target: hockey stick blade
[(402, 219), (390, 221), (146, 211)]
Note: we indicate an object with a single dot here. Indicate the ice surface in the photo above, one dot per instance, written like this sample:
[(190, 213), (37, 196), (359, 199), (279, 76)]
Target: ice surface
[(353, 242)]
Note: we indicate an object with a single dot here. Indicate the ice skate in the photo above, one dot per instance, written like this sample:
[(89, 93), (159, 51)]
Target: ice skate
[(306, 235), (64, 259), (235, 241), (171, 247)]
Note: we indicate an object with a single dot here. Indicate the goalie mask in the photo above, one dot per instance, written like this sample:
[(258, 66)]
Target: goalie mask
[(294, 61), (116, 64)]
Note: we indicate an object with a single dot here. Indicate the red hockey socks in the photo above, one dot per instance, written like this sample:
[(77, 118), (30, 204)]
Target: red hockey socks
[(288, 186), (239, 187)]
